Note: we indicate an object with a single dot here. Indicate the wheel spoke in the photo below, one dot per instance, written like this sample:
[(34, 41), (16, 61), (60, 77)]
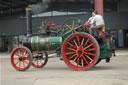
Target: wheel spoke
[(23, 64), (78, 61), (75, 43), (85, 59), (71, 49), (72, 56), (78, 27), (17, 62), (75, 59), (26, 62), (17, 54), (37, 62), (41, 62), (82, 42), (78, 40), (68, 26), (86, 42), (26, 54), (89, 57), (20, 64), (89, 53), (43, 59), (90, 49), (82, 62), (72, 45), (88, 46), (16, 58), (26, 58), (70, 53)]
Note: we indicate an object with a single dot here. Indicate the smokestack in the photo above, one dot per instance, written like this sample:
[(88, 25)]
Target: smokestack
[(29, 20)]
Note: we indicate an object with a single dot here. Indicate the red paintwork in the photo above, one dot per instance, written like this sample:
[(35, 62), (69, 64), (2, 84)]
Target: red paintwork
[(17, 64), (49, 23), (53, 24), (38, 63), (100, 29), (78, 50), (101, 33), (87, 24)]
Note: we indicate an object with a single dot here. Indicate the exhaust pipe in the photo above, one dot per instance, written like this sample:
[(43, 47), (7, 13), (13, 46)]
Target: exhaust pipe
[(29, 20)]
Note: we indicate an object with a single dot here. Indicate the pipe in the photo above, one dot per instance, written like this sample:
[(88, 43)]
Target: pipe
[(29, 20)]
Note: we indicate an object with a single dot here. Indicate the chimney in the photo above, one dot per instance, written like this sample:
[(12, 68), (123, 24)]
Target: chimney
[(29, 20)]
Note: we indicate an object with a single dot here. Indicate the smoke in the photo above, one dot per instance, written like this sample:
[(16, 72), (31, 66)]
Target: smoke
[(44, 5), (40, 7)]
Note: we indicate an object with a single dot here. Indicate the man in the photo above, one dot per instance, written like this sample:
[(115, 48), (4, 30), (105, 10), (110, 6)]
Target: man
[(96, 21), (43, 27)]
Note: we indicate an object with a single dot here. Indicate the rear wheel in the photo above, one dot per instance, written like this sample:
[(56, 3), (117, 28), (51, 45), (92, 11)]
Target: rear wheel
[(80, 51), (21, 58)]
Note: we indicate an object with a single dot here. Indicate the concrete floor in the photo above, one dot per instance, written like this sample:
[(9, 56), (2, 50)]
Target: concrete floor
[(56, 72)]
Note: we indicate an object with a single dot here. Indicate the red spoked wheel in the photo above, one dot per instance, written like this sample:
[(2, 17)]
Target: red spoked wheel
[(21, 58), (40, 59), (80, 51)]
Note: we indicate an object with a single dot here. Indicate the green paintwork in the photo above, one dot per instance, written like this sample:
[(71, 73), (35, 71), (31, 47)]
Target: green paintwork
[(45, 43), (56, 41), (72, 31), (105, 50)]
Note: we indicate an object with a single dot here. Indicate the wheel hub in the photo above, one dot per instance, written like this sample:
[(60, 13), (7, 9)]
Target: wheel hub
[(20, 58), (40, 56), (80, 51)]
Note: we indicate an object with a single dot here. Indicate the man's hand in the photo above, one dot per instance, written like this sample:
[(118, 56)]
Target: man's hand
[(87, 24)]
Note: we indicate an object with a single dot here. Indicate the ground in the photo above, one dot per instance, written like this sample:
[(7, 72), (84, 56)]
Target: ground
[(56, 72)]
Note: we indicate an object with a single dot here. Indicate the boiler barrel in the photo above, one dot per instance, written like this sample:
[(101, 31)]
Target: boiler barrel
[(45, 43)]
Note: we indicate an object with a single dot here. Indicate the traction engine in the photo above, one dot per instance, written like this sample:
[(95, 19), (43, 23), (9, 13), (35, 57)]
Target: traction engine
[(71, 40)]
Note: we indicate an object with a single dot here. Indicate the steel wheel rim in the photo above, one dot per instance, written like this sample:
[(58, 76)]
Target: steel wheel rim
[(79, 58), (20, 58), (39, 62)]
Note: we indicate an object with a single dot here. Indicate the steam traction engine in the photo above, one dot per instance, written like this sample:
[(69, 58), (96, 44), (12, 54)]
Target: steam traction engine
[(72, 42)]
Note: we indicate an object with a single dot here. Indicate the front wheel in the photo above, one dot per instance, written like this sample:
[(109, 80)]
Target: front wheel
[(21, 58), (80, 51)]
